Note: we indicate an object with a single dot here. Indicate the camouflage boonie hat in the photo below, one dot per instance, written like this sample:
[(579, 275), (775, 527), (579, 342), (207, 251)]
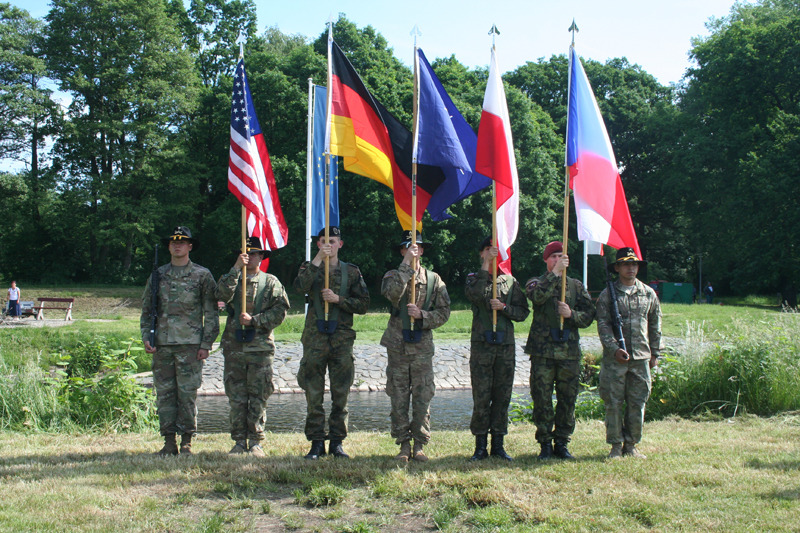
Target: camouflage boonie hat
[(626, 255), (181, 233)]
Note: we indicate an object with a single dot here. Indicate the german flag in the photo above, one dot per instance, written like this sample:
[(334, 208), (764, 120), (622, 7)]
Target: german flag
[(373, 143)]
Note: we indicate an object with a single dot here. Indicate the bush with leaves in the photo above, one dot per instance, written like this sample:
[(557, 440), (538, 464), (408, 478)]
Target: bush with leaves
[(110, 398)]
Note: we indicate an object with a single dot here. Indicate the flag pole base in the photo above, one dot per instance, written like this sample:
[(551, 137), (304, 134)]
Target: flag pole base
[(412, 335), (559, 335), (494, 337), (245, 334), (327, 327)]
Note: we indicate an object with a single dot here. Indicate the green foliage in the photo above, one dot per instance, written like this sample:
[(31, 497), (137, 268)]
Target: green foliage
[(96, 384), (28, 401), (755, 370)]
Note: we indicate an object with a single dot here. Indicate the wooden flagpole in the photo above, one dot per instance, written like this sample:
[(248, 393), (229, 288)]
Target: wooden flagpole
[(412, 296), (565, 241), (494, 260), (244, 267)]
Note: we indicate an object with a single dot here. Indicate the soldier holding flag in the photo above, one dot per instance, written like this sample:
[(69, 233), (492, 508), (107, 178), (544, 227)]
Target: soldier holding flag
[(492, 358), (409, 344), (248, 358), (328, 341)]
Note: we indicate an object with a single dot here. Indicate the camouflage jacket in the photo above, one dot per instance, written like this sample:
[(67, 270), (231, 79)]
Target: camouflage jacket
[(641, 320), (187, 309), (545, 292), (395, 288), (479, 292), (268, 313), (357, 301)]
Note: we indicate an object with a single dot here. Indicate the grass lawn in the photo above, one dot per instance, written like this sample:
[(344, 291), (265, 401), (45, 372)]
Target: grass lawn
[(739, 474)]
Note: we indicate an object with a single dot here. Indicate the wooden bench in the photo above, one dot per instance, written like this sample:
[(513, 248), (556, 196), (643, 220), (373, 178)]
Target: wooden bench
[(65, 305)]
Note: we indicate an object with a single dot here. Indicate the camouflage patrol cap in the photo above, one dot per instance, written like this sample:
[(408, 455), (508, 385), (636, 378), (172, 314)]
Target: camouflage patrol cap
[(181, 233), (626, 255)]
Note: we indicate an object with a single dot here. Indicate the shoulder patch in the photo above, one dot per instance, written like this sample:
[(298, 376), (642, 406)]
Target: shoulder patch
[(471, 274), (532, 283), (389, 274)]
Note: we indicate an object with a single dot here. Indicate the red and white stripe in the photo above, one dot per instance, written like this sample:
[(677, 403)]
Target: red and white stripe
[(251, 180), (495, 159)]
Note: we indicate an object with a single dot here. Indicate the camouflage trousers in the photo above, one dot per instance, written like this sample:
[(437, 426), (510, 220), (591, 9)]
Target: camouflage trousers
[(248, 385), (338, 363), (491, 371), (624, 388), (177, 374), (565, 375), (409, 383)]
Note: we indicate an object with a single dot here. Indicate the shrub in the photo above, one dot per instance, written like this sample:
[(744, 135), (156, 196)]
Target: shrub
[(108, 398), (754, 369), (28, 401)]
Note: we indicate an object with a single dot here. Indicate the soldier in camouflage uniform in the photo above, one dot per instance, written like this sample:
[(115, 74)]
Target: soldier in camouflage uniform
[(324, 351), (556, 353), (492, 360), (248, 363), (409, 372), (188, 324), (625, 375)]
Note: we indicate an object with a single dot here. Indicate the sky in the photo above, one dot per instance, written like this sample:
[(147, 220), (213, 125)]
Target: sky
[(653, 34)]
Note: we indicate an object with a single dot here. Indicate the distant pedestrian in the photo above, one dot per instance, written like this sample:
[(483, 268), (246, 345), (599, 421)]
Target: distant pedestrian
[(13, 300), (492, 357), (709, 292), (248, 345), (625, 374), (187, 325)]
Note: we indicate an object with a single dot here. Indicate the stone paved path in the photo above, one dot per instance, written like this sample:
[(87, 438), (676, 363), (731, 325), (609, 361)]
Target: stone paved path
[(450, 365)]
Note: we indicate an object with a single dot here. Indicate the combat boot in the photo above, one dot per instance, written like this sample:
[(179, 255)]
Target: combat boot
[(170, 447), (335, 449), (317, 449), (616, 451), (561, 451), (256, 450), (546, 450), (186, 444), (419, 454), (497, 448), (239, 447), (405, 451), (629, 450), (480, 449)]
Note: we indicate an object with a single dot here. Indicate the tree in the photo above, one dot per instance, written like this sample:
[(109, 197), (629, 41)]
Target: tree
[(132, 86), (742, 101)]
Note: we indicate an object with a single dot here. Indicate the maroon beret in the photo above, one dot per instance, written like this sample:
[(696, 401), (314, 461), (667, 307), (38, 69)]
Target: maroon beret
[(554, 247)]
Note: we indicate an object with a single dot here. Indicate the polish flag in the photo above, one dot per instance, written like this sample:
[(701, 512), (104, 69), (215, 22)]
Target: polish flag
[(495, 159), (600, 204)]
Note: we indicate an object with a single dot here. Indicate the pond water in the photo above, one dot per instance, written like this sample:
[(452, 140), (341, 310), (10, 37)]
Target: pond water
[(369, 411)]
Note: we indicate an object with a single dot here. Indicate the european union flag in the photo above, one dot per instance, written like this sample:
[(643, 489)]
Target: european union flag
[(318, 183), (445, 140)]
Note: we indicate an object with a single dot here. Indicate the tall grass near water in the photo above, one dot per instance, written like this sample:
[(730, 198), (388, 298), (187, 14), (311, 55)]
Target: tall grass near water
[(753, 368)]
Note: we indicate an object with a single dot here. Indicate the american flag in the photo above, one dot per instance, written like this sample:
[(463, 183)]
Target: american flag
[(250, 176)]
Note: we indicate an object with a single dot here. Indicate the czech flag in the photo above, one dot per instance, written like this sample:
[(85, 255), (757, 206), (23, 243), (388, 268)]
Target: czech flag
[(600, 204)]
